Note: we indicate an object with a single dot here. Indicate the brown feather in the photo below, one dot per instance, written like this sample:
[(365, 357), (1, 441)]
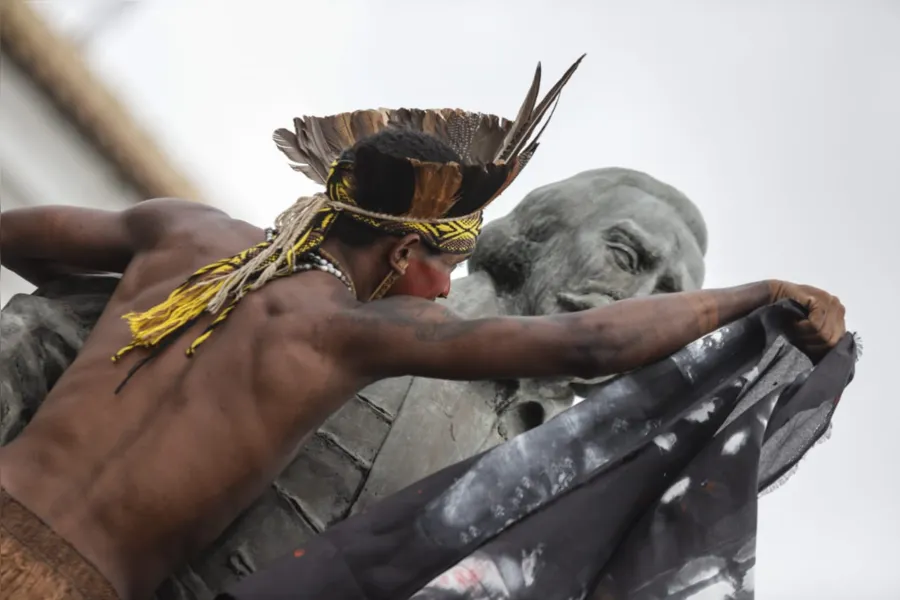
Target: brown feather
[(312, 155), (539, 112), (487, 138), (432, 122), (366, 123), (524, 116), (480, 183), (336, 133), (516, 168), (532, 147), (319, 145), (342, 129), (287, 142), (437, 188)]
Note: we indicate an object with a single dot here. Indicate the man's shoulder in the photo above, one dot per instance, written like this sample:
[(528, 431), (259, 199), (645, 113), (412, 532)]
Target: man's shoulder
[(174, 207), (161, 222)]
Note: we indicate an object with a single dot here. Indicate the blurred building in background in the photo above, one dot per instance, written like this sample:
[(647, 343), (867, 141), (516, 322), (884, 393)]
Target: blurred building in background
[(66, 138)]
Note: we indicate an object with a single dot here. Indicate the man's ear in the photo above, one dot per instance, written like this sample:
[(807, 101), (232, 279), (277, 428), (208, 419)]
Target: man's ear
[(402, 251)]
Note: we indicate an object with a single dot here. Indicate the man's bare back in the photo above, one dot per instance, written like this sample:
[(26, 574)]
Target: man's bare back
[(140, 481)]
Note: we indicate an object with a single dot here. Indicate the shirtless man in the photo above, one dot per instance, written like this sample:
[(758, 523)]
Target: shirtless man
[(106, 493)]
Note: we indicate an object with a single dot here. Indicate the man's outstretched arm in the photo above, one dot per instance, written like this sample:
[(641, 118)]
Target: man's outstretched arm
[(406, 336), (43, 242)]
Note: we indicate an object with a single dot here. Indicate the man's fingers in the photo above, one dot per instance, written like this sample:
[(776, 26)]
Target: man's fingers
[(805, 330), (823, 326), (818, 315), (837, 333), (836, 321), (814, 340), (835, 308)]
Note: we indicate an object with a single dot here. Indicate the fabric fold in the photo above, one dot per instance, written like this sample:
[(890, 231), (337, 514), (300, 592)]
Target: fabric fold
[(647, 489)]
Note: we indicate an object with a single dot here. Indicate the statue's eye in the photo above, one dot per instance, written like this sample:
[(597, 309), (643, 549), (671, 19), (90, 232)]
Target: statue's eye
[(625, 257)]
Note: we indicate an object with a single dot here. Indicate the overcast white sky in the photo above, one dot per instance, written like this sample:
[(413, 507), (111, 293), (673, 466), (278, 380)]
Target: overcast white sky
[(782, 123)]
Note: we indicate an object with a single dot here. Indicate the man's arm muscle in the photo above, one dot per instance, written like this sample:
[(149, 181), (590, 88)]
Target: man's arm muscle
[(407, 336), (42, 242)]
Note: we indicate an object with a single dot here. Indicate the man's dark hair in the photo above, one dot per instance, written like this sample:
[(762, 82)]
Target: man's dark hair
[(393, 141)]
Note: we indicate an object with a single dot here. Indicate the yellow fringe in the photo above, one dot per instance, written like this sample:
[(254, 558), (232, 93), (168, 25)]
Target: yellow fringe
[(205, 290), (187, 302)]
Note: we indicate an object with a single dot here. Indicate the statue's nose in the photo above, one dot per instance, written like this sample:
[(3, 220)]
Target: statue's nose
[(575, 302), (653, 283)]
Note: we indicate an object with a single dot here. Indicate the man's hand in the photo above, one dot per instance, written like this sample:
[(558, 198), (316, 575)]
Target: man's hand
[(824, 325)]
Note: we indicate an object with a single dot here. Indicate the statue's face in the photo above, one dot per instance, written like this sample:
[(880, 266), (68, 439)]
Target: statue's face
[(624, 243)]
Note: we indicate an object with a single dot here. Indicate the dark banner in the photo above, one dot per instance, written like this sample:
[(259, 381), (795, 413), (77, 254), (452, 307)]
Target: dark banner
[(645, 490)]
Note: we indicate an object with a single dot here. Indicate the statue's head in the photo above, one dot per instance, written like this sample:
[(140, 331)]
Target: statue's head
[(591, 239)]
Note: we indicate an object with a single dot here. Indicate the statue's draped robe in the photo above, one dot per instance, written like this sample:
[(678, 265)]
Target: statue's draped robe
[(42, 333), (647, 489)]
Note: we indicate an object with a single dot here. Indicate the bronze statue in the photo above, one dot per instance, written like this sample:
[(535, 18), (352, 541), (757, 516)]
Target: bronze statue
[(568, 246)]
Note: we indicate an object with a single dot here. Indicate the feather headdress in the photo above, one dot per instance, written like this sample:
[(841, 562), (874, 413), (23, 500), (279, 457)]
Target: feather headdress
[(493, 151)]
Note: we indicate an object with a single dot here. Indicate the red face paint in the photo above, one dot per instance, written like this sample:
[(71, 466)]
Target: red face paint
[(422, 280)]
